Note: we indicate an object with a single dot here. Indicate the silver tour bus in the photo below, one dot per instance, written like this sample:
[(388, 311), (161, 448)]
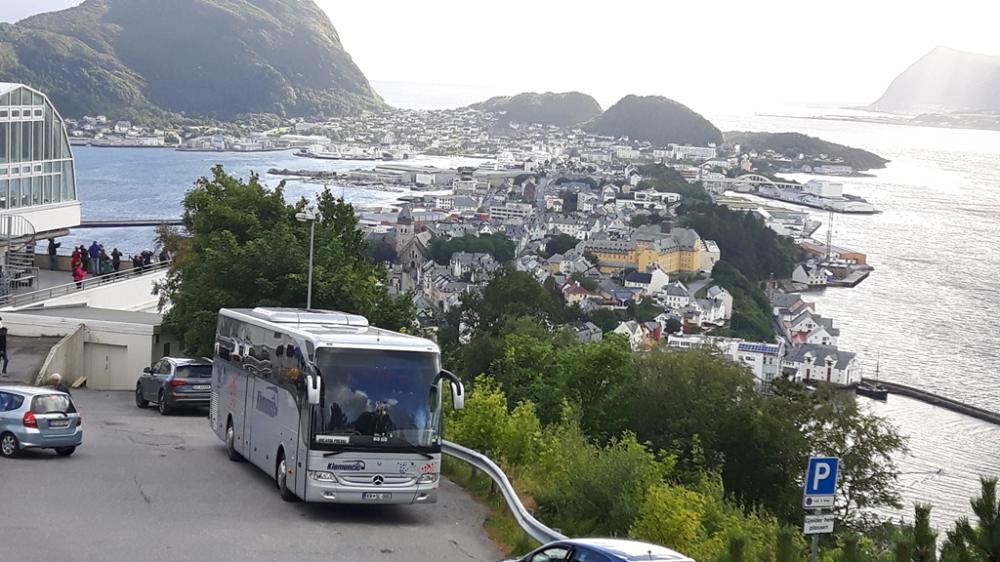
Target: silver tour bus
[(334, 409)]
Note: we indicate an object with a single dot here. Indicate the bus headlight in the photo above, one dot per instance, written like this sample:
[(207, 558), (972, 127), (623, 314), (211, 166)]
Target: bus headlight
[(322, 476), (429, 478)]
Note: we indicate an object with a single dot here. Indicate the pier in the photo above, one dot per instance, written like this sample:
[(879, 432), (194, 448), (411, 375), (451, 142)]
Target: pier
[(118, 223), (941, 401)]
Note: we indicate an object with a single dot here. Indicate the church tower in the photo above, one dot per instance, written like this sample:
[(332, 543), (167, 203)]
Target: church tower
[(404, 236)]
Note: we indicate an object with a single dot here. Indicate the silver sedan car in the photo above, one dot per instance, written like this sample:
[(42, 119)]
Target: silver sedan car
[(38, 418)]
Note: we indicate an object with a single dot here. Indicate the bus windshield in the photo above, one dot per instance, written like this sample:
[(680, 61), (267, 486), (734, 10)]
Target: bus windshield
[(377, 398)]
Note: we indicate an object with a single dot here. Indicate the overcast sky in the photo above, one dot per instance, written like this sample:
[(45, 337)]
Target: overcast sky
[(712, 56)]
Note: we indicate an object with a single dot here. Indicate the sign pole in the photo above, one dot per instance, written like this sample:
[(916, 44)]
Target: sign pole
[(815, 548)]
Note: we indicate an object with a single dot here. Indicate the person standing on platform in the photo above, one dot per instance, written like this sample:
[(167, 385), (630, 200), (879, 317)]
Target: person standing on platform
[(53, 261), (3, 347), (95, 258), (116, 259), (84, 258), (78, 275)]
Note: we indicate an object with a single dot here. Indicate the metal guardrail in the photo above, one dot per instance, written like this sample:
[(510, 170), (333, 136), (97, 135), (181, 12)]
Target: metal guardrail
[(16, 300), (533, 527)]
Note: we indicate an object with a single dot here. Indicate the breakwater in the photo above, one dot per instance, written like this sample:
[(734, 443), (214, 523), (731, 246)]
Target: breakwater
[(940, 401)]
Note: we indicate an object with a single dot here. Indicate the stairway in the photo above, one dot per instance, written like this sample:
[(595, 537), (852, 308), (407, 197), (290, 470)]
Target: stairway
[(17, 240)]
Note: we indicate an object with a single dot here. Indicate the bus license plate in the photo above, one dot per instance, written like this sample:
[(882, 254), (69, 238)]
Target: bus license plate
[(203, 387), (376, 496)]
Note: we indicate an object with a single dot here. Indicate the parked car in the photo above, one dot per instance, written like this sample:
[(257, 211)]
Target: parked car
[(38, 418), (174, 382), (601, 550)]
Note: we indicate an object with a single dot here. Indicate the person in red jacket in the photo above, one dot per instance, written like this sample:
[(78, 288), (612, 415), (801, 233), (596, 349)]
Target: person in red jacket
[(78, 275)]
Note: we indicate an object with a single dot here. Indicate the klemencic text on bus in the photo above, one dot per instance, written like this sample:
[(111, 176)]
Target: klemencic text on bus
[(334, 409)]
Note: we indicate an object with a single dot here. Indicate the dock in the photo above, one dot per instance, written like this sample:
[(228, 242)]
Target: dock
[(941, 401)]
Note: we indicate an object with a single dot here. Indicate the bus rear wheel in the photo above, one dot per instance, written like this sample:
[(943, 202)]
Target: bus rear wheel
[(281, 477), (231, 443)]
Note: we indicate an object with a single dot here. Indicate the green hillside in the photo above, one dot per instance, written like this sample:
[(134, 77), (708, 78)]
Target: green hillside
[(200, 58), (655, 119), (792, 145), (561, 109)]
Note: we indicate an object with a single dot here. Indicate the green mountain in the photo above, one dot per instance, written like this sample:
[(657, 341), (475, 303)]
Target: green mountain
[(201, 58), (792, 145), (563, 109), (945, 80), (656, 119)]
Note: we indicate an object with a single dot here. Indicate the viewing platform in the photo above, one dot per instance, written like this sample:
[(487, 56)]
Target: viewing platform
[(118, 223)]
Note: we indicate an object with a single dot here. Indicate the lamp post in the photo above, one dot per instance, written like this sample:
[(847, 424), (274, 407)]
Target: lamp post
[(311, 215)]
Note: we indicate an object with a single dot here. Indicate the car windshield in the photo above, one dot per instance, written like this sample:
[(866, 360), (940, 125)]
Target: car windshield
[(377, 398), (52, 404), (194, 372)]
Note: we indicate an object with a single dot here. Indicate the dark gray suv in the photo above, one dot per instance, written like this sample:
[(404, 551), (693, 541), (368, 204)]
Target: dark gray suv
[(174, 382)]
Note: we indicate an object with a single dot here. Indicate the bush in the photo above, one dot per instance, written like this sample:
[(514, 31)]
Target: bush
[(584, 490)]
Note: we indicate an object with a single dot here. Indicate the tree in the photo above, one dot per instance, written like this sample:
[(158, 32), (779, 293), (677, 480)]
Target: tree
[(982, 542), (244, 249), (381, 251), (865, 444), (560, 244), (497, 245), (924, 538), (605, 319)]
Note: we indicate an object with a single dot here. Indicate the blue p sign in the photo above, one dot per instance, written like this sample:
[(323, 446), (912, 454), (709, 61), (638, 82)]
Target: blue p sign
[(821, 476)]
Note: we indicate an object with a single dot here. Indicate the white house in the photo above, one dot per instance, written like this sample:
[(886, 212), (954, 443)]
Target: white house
[(763, 360), (722, 299), (675, 295), (654, 280), (633, 331), (810, 362), (811, 275)]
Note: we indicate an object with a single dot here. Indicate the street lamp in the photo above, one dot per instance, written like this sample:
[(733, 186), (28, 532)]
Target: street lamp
[(311, 215)]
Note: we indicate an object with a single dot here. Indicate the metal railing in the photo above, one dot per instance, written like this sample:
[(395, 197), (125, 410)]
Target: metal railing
[(533, 527), (16, 300)]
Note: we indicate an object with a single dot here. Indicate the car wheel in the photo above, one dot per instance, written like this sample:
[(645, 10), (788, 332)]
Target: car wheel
[(162, 405), (140, 401), (231, 443), (9, 446), (282, 478), (65, 451)]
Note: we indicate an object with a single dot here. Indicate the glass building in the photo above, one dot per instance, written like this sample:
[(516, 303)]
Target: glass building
[(36, 163)]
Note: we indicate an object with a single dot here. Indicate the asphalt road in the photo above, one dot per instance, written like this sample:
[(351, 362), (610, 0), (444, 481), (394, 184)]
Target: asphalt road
[(146, 487)]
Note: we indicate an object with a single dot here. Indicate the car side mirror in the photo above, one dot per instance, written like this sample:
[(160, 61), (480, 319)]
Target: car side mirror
[(314, 389), (457, 389), (147, 370)]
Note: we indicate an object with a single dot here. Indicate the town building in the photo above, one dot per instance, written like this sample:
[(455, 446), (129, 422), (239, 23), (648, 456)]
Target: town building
[(810, 362), (680, 250), (37, 177)]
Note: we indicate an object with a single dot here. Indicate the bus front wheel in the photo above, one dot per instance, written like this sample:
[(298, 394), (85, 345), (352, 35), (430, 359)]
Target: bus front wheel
[(281, 477)]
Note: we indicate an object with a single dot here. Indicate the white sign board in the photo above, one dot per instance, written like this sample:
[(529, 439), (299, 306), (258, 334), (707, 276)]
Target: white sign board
[(818, 524)]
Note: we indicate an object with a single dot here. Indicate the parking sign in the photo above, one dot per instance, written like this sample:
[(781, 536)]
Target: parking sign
[(821, 482)]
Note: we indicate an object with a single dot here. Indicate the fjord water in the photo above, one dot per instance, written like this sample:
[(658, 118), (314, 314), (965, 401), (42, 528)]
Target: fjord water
[(931, 308), (140, 183)]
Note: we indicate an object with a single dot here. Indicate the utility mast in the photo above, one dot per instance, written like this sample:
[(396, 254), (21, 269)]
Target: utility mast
[(829, 236)]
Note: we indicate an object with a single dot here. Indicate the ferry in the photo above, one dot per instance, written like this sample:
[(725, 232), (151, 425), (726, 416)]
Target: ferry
[(336, 153), (819, 194)]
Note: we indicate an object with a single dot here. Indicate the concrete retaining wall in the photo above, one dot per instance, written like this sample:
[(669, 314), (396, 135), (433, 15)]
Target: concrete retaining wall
[(65, 358), (135, 292)]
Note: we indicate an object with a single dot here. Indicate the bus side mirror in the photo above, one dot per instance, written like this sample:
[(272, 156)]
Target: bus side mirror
[(457, 389), (314, 388)]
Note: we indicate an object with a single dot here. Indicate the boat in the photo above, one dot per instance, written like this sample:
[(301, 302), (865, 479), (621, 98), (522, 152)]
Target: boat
[(872, 389)]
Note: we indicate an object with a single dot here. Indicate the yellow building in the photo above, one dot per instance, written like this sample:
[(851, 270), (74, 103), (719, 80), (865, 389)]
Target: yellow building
[(679, 251)]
